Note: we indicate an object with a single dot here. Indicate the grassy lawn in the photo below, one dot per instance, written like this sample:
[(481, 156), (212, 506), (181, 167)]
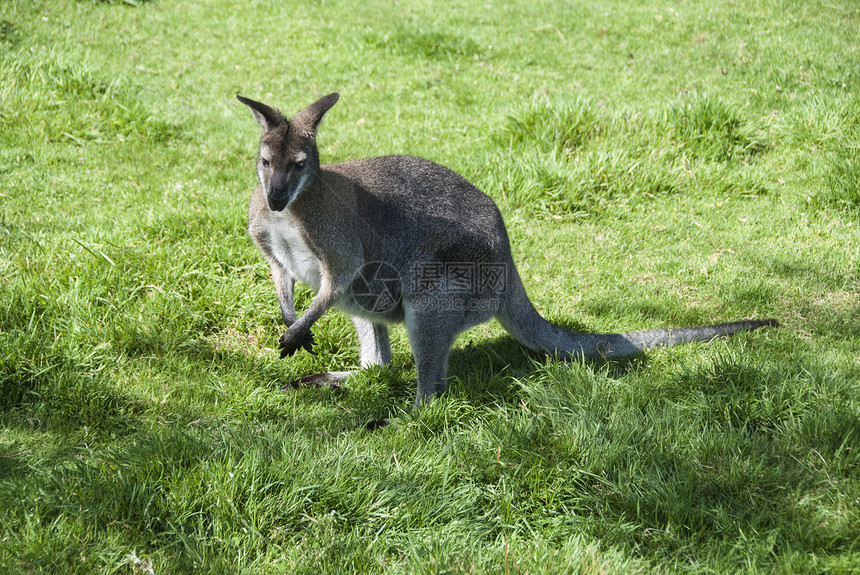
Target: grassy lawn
[(658, 163)]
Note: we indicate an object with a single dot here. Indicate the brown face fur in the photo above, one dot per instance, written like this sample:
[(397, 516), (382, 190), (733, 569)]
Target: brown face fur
[(286, 165), (288, 160)]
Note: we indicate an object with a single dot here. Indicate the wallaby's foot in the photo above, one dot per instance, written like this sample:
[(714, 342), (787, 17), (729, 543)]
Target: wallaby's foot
[(290, 345), (428, 392), (330, 379)]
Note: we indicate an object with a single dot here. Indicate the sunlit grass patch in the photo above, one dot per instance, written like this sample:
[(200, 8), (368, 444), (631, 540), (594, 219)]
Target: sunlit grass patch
[(657, 166), (45, 97)]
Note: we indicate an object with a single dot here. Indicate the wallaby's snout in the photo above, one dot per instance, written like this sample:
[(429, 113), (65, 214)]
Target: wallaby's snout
[(280, 195)]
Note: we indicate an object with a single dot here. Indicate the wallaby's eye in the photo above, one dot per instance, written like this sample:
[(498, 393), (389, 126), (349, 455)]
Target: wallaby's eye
[(300, 166), (265, 163)]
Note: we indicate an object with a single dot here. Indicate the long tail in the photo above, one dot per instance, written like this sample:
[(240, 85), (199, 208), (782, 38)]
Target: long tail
[(520, 318)]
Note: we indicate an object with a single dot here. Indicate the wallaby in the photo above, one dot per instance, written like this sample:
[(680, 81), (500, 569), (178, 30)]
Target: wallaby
[(402, 239)]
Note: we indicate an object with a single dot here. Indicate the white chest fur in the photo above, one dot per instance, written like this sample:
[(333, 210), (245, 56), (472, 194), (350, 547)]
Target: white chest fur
[(291, 251)]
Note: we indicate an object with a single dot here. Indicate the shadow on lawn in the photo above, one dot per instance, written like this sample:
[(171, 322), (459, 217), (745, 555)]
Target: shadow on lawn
[(760, 460), (61, 407)]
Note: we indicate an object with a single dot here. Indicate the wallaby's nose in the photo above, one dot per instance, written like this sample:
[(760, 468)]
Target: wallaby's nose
[(279, 195)]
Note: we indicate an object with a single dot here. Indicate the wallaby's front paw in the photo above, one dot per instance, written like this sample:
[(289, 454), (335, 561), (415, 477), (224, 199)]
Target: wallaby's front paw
[(290, 345)]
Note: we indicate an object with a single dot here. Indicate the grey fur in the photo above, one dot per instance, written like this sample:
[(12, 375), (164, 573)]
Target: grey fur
[(401, 239)]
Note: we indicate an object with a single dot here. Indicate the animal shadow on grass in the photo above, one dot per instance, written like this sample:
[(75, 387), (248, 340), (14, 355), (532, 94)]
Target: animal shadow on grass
[(475, 367), (480, 373)]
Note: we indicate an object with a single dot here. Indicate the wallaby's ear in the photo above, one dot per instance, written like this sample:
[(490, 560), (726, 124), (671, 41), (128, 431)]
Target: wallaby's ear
[(309, 118), (266, 116)]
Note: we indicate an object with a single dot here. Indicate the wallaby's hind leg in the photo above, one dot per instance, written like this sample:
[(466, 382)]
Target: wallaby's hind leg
[(373, 341), (431, 335), (375, 350)]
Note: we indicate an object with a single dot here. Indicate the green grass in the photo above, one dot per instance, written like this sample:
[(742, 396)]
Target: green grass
[(658, 164)]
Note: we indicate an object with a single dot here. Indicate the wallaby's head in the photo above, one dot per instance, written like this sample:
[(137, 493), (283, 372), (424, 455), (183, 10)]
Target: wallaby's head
[(288, 160)]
